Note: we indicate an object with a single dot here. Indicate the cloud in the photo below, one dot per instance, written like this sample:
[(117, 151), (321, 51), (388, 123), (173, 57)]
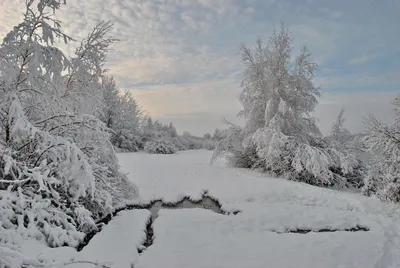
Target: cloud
[(217, 97), (336, 14), (249, 10), (198, 108), (181, 60), (362, 81), (357, 106), (180, 69), (359, 60)]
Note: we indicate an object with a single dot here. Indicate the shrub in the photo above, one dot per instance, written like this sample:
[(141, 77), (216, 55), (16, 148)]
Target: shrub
[(209, 145), (160, 147)]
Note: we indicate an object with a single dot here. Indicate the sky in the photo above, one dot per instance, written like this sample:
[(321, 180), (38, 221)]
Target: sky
[(180, 58)]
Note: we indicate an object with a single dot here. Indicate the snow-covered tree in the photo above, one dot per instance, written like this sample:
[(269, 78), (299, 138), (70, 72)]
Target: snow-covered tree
[(208, 143), (207, 136), (280, 135), (58, 169), (171, 130), (122, 114), (348, 145), (383, 141), (340, 135), (219, 135), (110, 101), (186, 134)]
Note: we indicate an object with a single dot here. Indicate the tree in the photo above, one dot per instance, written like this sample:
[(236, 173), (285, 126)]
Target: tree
[(340, 136), (110, 101), (383, 141), (172, 130), (127, 132), (348, 145), (122, 114), (207, 136), (58, 170), (186, 134), (280, 135), (218, 135)]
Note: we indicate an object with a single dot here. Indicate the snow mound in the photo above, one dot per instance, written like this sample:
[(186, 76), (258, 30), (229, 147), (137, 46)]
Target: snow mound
[(117, 243)]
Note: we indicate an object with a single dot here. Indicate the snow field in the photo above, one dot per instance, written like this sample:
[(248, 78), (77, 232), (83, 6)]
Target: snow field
[(282, 224), (260, 235)]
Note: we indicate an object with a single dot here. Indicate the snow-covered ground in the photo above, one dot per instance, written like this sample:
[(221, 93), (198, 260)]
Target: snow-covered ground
[(281, 224)]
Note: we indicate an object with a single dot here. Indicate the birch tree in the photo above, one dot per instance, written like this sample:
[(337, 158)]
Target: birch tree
[(58, 169), (383, 141), (281, 135)]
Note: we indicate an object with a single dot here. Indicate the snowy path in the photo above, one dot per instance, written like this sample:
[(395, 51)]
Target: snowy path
[(282, 224)]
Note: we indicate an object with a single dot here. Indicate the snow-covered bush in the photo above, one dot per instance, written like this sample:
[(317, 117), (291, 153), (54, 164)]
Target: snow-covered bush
[(209, 144), (156, 131), (281, 136), (383, 141), (58, 169), (160, 147), (189, 142)]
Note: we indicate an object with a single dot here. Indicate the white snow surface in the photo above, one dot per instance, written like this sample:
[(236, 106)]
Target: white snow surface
[(258, 236), (115, 246), (261, 235)]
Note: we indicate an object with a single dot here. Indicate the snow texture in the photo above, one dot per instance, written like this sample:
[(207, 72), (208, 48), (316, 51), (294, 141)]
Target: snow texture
[(264, 233), (198, 238), (117, 243), (115, 246), (282, 223), (189, 174)]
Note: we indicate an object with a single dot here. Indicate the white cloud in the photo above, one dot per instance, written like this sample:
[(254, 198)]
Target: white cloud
[(363, 80), (359, 60), (218, 97), (357, 106), (249, 10), (191, 47), (321, 38)]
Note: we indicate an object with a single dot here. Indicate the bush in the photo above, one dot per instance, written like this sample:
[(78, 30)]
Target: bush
[(160, 147), (245, 158), (209, 145)]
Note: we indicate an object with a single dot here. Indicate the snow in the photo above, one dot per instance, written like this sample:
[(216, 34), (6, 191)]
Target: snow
[(171, 177), (260, 235), (281, 223), (117, 243), (37, 250), (199, 238)]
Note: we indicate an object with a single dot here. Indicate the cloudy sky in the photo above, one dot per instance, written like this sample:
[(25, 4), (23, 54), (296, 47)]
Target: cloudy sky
[(180, 57)]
